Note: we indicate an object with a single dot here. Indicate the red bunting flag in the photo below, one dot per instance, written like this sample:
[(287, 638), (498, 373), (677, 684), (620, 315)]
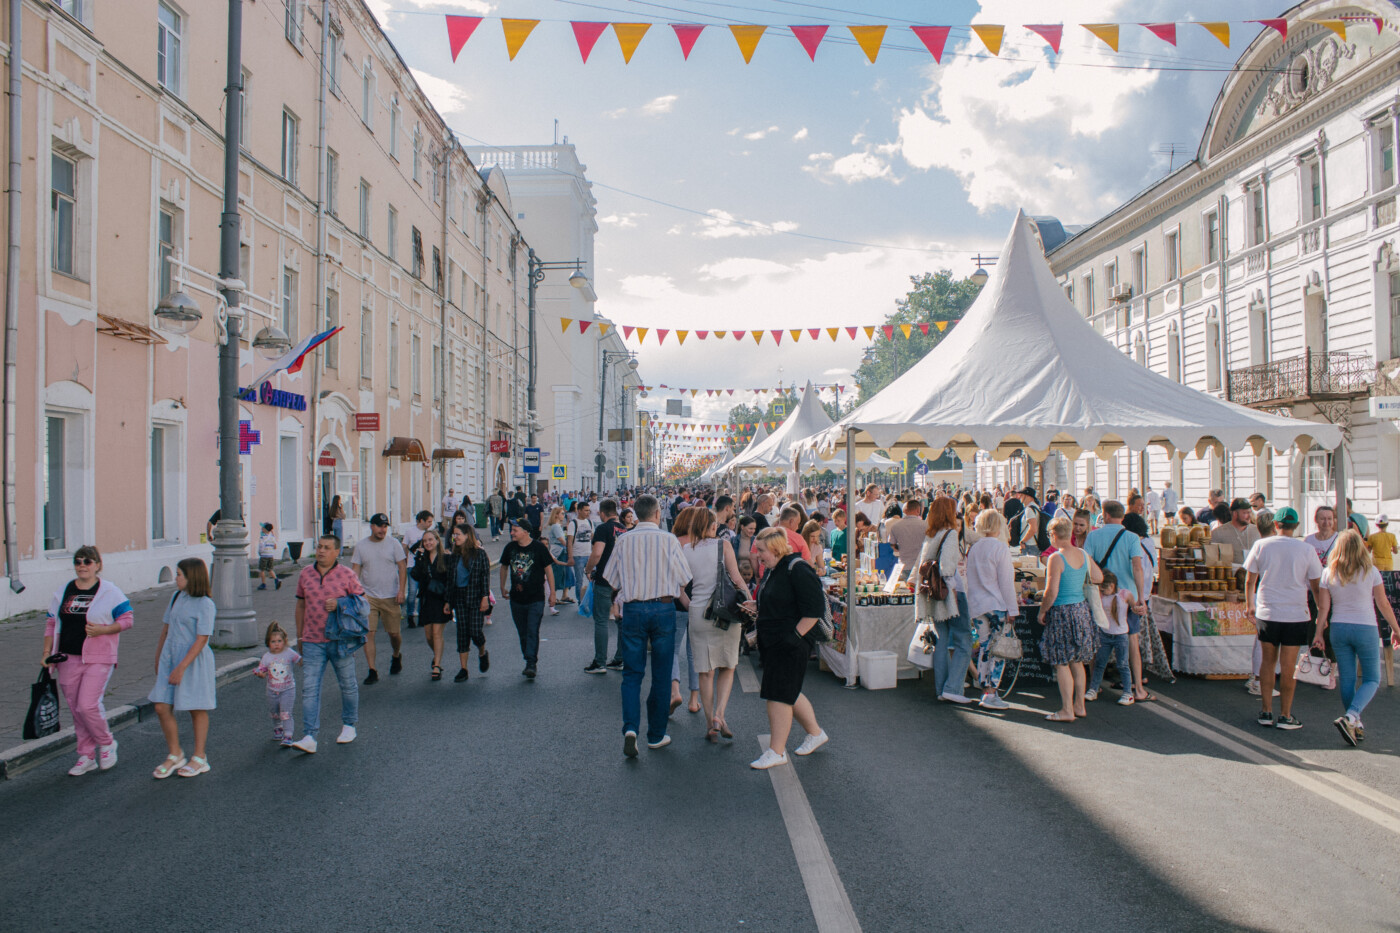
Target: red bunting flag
[(814, 332), (933, 38), (889, 331), (1051, 34), (810, 37), (583, 326), (686, 34), (1164, 31), (701, 334), (739, 334), (586, 35), (851, 332), (459, 30), (923, 328), (661, 335), (777, 336), (1279, 26), (627, 330)]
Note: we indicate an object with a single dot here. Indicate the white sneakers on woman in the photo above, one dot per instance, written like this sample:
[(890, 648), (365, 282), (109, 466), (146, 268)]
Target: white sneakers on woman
[(812, 743), (769, 759)]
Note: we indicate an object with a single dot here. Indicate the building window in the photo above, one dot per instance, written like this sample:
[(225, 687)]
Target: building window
[(367, 95), (1394, 315), (1384, 147), (1139, 282), (1212, 236), (366, 343), (335, 49), (1110, 275), (395, 117), (1312, 189), (1257, 226), (393, 354), (1317, 468), (1173, 257), (332, 182), (1258, 333), (417, 253), (366, 485), (289, 146), (1089, 295), (62, 464), (169, 27), (436, 160), (1069, 292), (418, 154), (1140, 351), (1212, 354), (393, 233), (332, 355), (364, 209), (415, 364), (437, 271), (74, 8), (1174, 355), (289, 302), (165, 246), (63, 213), (437, 373), (291, 27), (165, 483)]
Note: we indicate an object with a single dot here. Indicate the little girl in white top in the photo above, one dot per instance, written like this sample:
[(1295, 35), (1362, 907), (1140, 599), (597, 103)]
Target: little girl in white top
[(1113, 642)]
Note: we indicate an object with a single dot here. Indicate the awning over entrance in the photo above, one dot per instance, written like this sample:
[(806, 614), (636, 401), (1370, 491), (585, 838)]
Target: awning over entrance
[(409, 448), (449, 453)]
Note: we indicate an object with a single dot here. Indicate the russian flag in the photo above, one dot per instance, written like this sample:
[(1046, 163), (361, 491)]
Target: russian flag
[(292, 360)]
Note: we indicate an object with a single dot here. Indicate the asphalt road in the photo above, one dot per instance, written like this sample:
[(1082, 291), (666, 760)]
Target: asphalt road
[(502, 804)]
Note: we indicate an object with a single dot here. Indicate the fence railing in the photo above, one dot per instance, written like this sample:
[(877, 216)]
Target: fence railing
[(1334, 374)]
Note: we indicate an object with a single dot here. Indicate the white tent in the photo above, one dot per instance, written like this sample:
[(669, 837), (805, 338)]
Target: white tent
[(775, 454), (714, 470)]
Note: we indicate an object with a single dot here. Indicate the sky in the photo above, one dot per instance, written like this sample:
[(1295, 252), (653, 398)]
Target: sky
[(789, 193)]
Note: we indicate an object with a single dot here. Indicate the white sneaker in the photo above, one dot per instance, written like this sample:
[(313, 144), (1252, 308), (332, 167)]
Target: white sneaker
[(954, 698), (84, 765), (1091, 695), (347, 735), (812, 743), (305, 744), (769, 759), (665, 740), (1251, 686), (992, 701), (107, 755)]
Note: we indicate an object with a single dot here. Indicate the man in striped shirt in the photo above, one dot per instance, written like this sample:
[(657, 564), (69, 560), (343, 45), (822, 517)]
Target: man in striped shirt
[(647, 572)]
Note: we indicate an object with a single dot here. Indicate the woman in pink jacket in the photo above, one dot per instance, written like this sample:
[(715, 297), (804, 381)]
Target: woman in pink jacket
[(86, 619)]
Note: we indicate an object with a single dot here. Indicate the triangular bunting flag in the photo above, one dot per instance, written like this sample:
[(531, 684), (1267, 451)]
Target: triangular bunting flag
[(739, 334), (642, 336), (991, 37), (1336, 25), (905, 329), (934, 39), (628, 35), (747, 37), (777, 336), (1051, 34), (583, 326), (889, 331), (758, 338), (564, 323), (661, 334), (681, 335), (810, 37), (603, 328), (719, 334), (1221, 31), (869, 39), (1279, 26), (796, 335), (941, 325), (702, 334), (686, 34), (870, 332), (731, 391), (627, 330), (832, 332), (1107, 33), (814, 332), (923, 328), (1164, 31), (459, 30), (516, 32), (851, 332), (693, 392), (586, 35)]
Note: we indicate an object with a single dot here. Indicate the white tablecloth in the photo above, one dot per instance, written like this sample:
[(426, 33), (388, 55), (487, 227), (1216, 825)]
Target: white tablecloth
[(1207, 638), (875, 628)]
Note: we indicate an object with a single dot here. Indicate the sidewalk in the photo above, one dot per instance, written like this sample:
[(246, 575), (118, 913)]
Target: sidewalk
[(22, 644)]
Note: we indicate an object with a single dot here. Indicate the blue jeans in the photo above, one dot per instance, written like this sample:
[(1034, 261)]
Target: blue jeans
[(527, 618), (495, 524), (954, 632), (683, 635), (602, 611), (1112, 646), (580, 578), (314, 658), (410, 606), (646, 624), (1352, 643)]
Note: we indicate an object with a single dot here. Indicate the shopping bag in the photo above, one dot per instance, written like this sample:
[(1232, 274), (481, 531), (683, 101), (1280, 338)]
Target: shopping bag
[(1316, 670), (585, 605), (923, 645), (42, 719)]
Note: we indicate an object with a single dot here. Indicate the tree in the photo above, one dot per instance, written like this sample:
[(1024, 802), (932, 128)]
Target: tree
[(935, 297)]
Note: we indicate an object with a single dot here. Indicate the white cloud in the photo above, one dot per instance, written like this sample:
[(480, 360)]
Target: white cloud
[(800, 135), (382, 8), (720, 224), (759, 134), (838, 371), (872, 162), (443, 94), (742, 267), (659, 105), (649, 287), (622, 221)]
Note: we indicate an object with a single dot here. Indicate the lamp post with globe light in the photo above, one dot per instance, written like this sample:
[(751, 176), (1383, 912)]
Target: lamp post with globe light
[(536, 273)]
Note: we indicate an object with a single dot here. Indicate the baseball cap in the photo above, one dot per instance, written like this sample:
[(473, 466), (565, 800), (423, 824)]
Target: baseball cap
[(523, 523), (379, 518), (1237, 504), (1286, 516), (1383, 520)]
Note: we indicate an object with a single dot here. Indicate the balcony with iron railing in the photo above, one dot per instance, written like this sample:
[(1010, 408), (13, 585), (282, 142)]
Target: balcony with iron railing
[(1313, 377)]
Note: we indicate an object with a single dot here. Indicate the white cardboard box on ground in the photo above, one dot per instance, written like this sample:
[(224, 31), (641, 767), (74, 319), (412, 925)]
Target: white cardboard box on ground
[(877, 670)]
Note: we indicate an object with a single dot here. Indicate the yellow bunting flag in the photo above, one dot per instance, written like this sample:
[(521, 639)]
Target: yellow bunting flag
[(1339, 26), (642, 334), (870, 332), (905, 329), (758, 336), (603, 329), (564, 323), (628, 35), (941, 325), (795, 334), (869, 39), (747, 37), (991, 37), (1221, 31), (1107, 33), (516, 32), (682, 334), (832, 332)]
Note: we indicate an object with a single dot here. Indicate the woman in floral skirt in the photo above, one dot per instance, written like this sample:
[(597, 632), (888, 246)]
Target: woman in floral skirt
[(1071, 639)]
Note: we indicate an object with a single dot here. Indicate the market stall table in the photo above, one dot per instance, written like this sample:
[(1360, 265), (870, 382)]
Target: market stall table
[(1207, 637), (877, 628)]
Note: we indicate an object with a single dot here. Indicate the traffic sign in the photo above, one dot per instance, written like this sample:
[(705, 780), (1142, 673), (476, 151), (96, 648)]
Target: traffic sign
[(622, 472), (921, 469), (600, 463), (532, 460), (561, 471)]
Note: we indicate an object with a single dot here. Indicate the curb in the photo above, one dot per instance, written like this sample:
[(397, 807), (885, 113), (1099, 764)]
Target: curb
[(15, 761)]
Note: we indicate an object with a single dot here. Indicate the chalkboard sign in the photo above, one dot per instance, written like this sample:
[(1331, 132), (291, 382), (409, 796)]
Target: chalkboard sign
[(1032, 667), (1391, 579)]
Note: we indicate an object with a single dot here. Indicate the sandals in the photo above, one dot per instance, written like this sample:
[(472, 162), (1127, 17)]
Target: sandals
[(724, 729), (1056, 717), (437, 672), (712, 736), (168, 767), (196, 766)]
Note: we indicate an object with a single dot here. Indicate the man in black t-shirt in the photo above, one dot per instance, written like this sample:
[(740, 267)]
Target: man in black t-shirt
[(604, 537), (525, 582)]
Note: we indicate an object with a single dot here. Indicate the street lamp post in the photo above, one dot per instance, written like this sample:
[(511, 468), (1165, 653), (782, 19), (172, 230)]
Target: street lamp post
[(536, 274), (599, 454)]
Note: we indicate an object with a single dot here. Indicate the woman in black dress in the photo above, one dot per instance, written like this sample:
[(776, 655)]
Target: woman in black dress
[(469, 593), (790, 602), (431, 568)]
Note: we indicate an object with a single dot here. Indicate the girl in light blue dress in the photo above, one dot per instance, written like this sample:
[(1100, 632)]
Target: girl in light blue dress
[(185, 668)]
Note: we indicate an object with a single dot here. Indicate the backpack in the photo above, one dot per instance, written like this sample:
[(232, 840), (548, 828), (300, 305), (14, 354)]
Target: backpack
[(932, 583)]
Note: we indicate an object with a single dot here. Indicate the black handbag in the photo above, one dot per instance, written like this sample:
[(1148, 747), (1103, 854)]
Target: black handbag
[(42, 718), (725, 604)]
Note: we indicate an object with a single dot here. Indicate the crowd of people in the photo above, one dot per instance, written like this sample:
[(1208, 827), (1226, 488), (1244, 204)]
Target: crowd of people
[(666, 571)]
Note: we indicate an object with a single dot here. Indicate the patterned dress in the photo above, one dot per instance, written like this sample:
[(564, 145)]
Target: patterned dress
[(466, 587)]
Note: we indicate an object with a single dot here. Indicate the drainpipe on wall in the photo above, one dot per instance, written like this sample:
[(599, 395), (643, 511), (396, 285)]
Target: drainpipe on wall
[(483, 208), (442, 304), (318, 300), (12, 263)]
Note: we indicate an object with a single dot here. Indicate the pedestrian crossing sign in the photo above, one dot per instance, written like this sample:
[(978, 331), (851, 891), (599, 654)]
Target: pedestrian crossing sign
[(561, 471), (622, 472)]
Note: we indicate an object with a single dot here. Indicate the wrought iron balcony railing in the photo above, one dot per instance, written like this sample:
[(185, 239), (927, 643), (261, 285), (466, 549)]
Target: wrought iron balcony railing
[(1311, 377)]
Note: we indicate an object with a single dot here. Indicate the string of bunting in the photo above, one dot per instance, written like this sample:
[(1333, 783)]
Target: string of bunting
[(868, 38), (837, 388), (776, 335)]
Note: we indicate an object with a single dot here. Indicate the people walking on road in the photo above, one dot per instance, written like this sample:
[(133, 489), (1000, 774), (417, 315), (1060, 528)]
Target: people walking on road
[(1071, 640), (496, 512), (716, 648), (185, 668), (580, 542), (450, 504), (320, 586), (267, 558), (467, 575), (949, 614), (1113, 643), (556, 536), (82, 636), (789, 603), (275, 666), (1118, 549), (525, 582), (1352, 592), (1383, 545), (648, 573), (604, 539), (337, 517), (413, 546), (431, 573), (682, 644), (1281, 571), (382, 566), (990, 591)]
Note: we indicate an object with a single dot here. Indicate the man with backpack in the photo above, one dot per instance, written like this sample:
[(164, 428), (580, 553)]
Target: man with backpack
[(1032, 536)]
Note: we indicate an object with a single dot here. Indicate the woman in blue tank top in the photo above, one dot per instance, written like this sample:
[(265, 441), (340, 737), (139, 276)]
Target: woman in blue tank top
[(1071, 639)]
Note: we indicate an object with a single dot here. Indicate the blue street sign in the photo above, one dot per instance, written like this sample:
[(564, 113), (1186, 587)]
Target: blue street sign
[(532, 460)]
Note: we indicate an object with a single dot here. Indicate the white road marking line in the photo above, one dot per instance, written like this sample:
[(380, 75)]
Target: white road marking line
[(831, 908), (748, 680), (1285, 770)]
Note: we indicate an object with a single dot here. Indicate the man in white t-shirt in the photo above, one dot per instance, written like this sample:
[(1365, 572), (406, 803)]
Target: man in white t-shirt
[(871, 506), (1169, 500), (450, 505), (1280, 571), (382, 566), (1154, 508), (580, 543)]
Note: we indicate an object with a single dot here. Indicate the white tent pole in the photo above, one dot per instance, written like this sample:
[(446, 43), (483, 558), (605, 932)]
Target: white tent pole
[(851, 655)]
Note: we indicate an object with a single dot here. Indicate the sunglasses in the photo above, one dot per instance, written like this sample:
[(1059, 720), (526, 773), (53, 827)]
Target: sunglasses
[(83, 561)]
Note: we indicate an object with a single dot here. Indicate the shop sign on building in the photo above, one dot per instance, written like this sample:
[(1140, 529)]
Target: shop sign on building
[(366, 421)]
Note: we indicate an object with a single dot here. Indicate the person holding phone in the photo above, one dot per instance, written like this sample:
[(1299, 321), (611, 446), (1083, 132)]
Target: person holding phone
[(81, 638)]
